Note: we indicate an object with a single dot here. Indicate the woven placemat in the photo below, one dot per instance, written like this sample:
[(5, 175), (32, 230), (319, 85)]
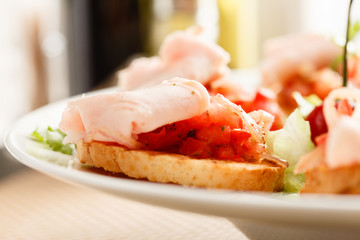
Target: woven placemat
[(35, 206)]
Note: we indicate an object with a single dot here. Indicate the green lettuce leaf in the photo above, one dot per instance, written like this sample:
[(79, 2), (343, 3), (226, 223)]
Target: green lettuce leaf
[(52, 139), (290, 143), (293, 182), (306, 104)]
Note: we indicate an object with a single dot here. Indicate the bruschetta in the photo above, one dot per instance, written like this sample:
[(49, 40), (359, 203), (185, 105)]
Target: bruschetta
[(174, 132)]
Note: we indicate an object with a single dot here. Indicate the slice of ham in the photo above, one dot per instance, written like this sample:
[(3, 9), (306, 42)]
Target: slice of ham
[(118, 117), (288, 56), (331, 115), (343, 144), (233, 89), (183, 54)]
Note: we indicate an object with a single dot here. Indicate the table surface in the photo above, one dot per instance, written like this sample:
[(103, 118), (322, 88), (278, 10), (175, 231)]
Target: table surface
[(35, 206)]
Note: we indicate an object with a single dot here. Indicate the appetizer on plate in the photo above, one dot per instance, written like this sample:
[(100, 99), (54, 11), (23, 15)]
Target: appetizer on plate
[(333, 165), (175, 132)]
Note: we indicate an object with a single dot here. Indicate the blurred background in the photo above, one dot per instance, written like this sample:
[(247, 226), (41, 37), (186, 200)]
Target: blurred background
[(55, 49)]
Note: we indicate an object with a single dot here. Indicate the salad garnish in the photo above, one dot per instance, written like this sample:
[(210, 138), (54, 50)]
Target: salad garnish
[(290, 143), (306, 104), (52, 139)]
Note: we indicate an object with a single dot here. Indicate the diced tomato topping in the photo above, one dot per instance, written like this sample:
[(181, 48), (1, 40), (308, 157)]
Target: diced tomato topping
[(238, 136), (195, 148), (154, 139), (243, 145), (203, 120), (224, 152), (164, 137), (266, 100), (216, 133)]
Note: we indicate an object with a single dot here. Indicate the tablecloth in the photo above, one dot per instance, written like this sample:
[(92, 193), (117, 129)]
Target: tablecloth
[(36, 206)]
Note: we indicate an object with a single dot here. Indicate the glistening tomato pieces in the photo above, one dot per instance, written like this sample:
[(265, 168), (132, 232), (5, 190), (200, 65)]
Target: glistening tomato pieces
[(217, 133), (266, 100)]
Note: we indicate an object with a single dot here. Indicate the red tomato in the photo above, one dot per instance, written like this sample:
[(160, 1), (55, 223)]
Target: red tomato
[(240, 140), (203, 120), (195, 148), (317, 122), (165, 137), (214, 135), (238, 136), (154, 139), (224, 152), (266, 100)]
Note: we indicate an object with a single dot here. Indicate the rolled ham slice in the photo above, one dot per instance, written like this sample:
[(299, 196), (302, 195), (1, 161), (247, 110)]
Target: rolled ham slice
[(341, 147), (118, 117), (289, 56), (183, 54), (331, 114)]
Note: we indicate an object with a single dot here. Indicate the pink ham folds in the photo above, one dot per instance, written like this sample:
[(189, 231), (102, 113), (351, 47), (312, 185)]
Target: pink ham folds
[(292, 55), (183, 54), (118, 117), (340, 147)]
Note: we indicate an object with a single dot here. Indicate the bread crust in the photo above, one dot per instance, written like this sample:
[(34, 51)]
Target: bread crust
[(183, 170), (344, 180)]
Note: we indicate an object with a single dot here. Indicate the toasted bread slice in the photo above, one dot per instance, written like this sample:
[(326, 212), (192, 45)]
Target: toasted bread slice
[(183, 170), (339, 180)]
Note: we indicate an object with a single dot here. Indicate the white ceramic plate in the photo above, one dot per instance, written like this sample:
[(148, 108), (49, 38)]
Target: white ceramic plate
[(279, 210)]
